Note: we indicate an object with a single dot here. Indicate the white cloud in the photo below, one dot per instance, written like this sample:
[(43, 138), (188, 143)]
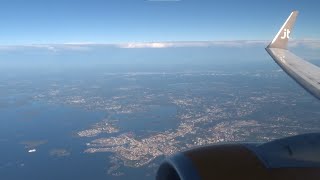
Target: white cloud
[(146, 45), (309, 43), (74, 47), (31, 46), (190, 44), (40, 46)]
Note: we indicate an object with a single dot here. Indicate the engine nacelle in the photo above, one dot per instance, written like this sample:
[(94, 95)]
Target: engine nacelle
[(295, 157)]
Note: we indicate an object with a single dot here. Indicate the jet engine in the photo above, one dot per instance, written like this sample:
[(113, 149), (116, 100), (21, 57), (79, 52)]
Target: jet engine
[(295, 157)]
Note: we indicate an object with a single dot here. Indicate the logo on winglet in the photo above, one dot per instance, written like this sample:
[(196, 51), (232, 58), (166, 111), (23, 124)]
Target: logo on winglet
[(286, 34)]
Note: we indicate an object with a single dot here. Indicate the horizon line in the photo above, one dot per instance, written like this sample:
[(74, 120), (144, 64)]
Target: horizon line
[(314, 43)]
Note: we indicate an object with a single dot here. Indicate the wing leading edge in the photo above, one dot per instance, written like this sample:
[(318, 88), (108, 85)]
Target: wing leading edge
[(303, 72)]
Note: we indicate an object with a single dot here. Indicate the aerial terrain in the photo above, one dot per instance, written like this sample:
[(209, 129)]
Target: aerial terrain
[(108, 89), (121, 121)]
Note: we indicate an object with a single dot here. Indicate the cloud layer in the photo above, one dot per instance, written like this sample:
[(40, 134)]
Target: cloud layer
[(87, 46)]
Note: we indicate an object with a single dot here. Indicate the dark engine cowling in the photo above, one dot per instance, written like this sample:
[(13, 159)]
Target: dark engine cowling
[(295, 157)]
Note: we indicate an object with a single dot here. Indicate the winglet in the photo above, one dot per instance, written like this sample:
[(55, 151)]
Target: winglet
[(281, 39)]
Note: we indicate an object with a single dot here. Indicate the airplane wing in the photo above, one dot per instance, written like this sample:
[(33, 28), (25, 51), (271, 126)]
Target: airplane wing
[(303, 72), (296, 157)]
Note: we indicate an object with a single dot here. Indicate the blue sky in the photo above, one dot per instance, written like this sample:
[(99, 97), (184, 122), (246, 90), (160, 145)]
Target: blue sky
[(120, 21)]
